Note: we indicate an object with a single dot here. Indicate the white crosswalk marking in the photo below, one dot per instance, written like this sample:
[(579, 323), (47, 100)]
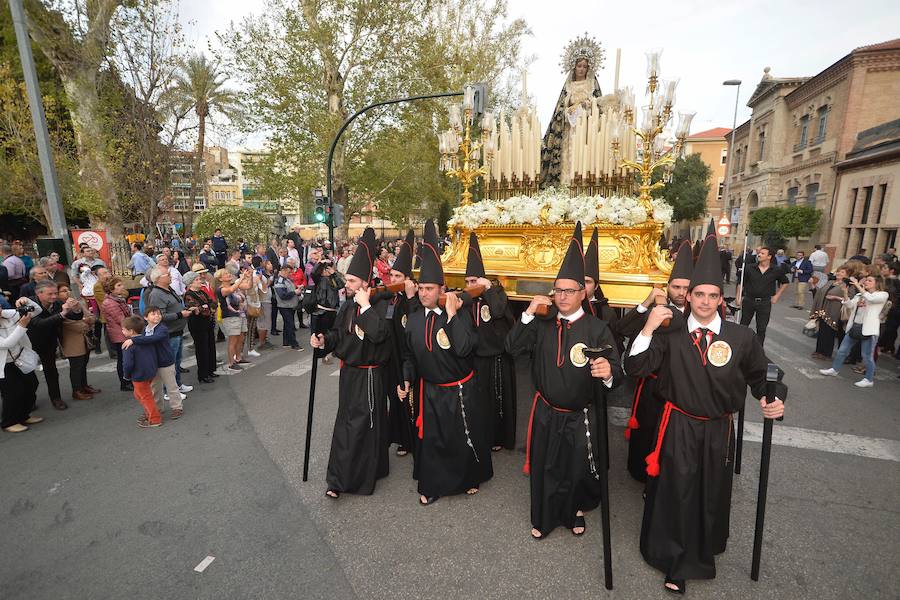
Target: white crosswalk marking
[(827, 441), (292, 370), (798, 437), (110, 367)]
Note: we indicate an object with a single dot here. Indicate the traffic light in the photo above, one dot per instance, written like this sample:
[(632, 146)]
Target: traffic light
[(337, 214), (321, 202)]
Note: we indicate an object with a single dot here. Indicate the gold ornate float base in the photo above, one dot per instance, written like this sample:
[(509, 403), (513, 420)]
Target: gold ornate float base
[(526, 258)]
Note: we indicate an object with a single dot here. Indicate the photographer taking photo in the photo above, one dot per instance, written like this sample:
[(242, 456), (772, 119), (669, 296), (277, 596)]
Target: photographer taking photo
[(44, 332), (18, 381)]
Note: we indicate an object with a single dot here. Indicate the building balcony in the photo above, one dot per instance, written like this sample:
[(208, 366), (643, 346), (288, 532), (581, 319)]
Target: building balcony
[(799, 146)]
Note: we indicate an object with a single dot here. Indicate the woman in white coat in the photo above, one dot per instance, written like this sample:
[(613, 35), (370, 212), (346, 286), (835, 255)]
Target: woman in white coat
[(17, 387), (863, 326)]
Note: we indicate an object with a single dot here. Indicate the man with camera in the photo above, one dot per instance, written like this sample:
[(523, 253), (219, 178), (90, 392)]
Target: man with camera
[(43, 331), (18, 382)]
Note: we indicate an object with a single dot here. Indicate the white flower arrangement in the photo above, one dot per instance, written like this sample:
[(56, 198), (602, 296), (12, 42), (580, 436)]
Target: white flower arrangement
[(553, 206)]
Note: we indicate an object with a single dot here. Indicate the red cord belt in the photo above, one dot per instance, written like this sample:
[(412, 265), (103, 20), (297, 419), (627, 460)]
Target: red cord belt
[(419, 421), (632, 421), (652, 459)]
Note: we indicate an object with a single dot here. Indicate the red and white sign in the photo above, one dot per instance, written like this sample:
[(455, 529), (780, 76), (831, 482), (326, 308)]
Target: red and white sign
[(94, 238), (724, 226)]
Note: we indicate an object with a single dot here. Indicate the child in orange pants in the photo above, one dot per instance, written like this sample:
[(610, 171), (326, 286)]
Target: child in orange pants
[(139, 364)]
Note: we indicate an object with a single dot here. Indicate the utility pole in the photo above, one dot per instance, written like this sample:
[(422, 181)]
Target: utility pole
[(41, 136)]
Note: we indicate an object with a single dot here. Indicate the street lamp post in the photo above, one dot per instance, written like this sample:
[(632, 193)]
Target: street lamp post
[(737, 95)]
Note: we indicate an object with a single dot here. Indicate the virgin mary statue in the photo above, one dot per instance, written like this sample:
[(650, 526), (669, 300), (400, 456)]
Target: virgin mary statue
[(580, 62)]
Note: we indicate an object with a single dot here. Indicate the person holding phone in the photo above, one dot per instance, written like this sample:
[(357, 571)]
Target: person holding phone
[(201, 325)]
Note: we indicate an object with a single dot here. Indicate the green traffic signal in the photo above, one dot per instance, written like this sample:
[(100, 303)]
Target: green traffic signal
[(320, 215)]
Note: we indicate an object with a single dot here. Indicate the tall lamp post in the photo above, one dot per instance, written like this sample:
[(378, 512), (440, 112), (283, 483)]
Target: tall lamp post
[(737, 95)]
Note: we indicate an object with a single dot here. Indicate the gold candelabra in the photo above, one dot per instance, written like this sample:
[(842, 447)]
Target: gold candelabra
[(656, 116), (460, 153)]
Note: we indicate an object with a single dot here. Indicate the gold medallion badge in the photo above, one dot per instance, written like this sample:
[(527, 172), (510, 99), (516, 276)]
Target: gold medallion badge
[(485, 313), (719, 353), (403, 321), (577, 356), (359, 332), (442, 339)]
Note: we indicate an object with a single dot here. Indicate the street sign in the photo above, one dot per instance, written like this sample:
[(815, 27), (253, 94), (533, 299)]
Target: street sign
[(724, 226)]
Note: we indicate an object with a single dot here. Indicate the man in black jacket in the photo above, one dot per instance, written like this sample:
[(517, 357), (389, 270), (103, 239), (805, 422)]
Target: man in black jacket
[(44, 330)]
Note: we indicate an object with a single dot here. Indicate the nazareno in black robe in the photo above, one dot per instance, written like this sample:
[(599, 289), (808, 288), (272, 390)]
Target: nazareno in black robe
[(562, 459), (452, 454), (646, 405), (495, 367), (686, 514), (402, 430), (359, 447)]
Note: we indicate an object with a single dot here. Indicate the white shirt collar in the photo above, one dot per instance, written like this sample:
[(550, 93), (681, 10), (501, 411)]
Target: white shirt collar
[(715, 325), (574, 316), (436, 310)]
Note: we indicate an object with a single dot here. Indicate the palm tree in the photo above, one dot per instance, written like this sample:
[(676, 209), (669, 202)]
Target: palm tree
[(200, 86)]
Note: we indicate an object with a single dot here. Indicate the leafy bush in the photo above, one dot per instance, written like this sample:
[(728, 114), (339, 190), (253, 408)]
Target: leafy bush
[(235, 222), (779, 223)]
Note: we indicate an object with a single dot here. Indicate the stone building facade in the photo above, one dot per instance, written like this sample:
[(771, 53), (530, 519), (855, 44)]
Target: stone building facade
[(867, 207), (802, 127)]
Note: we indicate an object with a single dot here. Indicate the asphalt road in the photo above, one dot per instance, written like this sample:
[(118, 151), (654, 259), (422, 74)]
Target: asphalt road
[(93, 507)]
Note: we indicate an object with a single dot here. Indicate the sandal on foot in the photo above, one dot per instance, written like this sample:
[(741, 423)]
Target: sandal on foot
[(537, 538), (472, 491), (496, 448), (579, 522), (678, 583), (401, 451), (333, 494), (429, 500)]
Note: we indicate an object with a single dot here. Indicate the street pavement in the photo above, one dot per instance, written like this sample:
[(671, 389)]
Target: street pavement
[(93, 507)]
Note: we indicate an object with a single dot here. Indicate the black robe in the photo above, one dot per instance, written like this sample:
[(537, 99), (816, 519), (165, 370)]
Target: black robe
[(452, 455), (400, 412), (359, 448), (646, 405), (686, 514), (561, 458), (495, 367)]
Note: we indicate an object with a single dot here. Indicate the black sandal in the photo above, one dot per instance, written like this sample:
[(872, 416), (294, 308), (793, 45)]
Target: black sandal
[(579, 522), (678, 583), (538, 538), (401, 451), (333, 494), (429, 500)]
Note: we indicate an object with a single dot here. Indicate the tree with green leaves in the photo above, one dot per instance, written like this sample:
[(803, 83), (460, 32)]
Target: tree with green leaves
[(310, 64), (775, 223), (20, 170), (235, 222), (688, 190), (200, 86), (76, 38)]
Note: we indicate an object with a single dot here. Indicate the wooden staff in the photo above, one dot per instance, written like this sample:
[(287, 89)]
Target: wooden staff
[(468, 294), (773, 378)]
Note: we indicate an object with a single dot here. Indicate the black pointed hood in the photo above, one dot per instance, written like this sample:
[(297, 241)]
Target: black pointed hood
[(696, 251), (573, 263), (403, 262), (711, 229), (431, 270), (364, 257), (474, 265), (592, 258), (684, 262), (708, 269)]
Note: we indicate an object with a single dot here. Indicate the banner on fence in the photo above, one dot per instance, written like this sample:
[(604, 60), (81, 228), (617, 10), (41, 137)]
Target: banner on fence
[(96, 239)]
